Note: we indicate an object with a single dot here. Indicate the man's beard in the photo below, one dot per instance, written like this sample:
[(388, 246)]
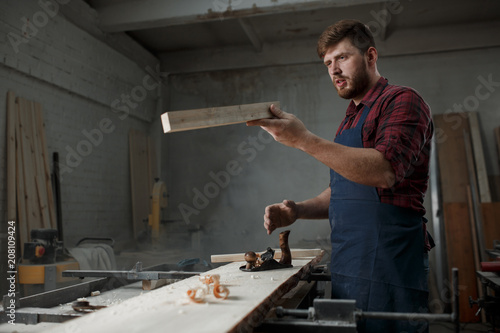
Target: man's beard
[(359, 83)]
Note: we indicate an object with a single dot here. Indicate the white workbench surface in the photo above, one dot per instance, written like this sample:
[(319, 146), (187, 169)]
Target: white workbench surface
[(168, 309)]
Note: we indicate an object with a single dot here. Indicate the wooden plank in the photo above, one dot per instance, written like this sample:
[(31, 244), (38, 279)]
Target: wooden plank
[(474, 190), (168, 308), (39, 170), (22, 222), (475, 248), (294, 297), (176, 121), (451, 156), (296, 254), (491, 223), (154, 284), (31, 194), (477, 146), (460, 255), (139, 180), (42, 203), (11, 156), (152, 166), (46, 165)]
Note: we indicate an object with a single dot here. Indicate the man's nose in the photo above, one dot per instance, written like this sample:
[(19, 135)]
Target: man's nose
[(335, 70)]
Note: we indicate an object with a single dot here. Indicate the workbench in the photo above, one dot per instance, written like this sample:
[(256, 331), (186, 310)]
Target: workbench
[(489, 279), (490, 303), (252, 295)]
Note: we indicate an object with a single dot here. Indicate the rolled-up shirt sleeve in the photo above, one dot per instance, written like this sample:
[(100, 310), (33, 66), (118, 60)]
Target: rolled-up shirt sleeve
[(404, 127)]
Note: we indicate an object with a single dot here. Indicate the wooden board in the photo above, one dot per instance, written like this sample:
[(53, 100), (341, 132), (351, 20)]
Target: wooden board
[(477, 146), (296, 254), (168, 309), (43, 201), (33, 220), (451, 156), (139, 180), (46, 172), (460, 255), (29, 184), (154, 284), (475, 197), (475, 247), (22, 221), (491, 223), (176, 121), (11, 156), (152, 164)]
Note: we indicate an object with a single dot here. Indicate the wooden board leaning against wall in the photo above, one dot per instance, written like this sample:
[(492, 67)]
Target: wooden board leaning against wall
[(30, 201), (143, 172), (466, 200)]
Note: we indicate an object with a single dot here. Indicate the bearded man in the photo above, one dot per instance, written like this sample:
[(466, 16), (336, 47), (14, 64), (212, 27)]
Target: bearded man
[(379, 171)]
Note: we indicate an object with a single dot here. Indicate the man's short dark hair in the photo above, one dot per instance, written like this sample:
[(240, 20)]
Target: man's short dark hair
[(358, 33)]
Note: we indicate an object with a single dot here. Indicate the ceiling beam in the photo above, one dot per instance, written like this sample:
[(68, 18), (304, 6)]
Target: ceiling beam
[(400, 42), (385, 23), (136, 15), (86, 18), (251, 34)]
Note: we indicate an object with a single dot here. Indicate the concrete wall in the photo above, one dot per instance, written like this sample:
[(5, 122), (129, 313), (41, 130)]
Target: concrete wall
[(79, 81), (231, 217), (266, 172)]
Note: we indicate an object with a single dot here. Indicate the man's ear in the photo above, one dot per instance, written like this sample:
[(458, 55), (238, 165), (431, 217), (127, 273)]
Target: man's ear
[(371, 55)]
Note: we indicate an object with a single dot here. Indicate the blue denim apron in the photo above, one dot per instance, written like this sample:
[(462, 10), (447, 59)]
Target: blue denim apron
[(377, 250)]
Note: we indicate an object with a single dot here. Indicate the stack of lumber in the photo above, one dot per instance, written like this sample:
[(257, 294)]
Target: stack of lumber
[(30, 201), (468, 210), (143, 172)]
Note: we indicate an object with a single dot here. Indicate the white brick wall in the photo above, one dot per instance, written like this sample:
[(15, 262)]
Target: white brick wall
[(68, 57), (77, 79)]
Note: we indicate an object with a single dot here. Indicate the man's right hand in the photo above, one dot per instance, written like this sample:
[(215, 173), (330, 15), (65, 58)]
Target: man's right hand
[(280, 215)]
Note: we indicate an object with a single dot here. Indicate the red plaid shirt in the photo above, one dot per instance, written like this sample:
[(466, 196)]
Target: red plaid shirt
[(400, 126)]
